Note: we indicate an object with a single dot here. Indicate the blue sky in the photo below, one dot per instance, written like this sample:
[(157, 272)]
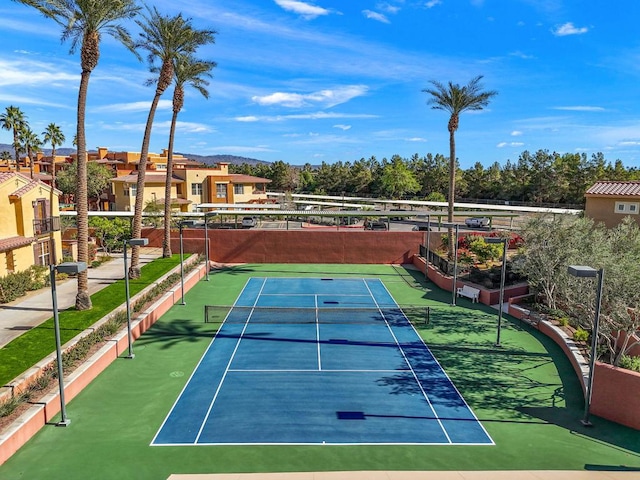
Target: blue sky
[(329, 80)]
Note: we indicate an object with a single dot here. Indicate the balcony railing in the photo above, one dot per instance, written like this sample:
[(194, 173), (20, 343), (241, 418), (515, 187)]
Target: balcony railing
[(46, 225)]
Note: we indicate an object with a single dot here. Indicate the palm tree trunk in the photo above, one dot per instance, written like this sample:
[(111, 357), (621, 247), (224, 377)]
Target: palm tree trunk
[(452, 190), (30, 155), (83, 300), (134, 270), (166, 243), (17, 150)]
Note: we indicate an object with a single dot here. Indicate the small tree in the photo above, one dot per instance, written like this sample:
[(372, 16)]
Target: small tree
[(110, 231), (98, 177)]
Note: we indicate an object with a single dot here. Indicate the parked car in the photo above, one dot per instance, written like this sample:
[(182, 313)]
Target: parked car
[(476, 222), (248, 222), (399, 216), (375, 225), (421, 228)]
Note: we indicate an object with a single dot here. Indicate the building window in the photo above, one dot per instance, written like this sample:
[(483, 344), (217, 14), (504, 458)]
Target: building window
[(42, 253), (238, 189), (221, 190), (130, 190), (196, 189), (161, 166), (629, 208)]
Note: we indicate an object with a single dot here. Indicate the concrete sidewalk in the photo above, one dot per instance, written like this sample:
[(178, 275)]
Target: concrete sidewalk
[(35, 307)]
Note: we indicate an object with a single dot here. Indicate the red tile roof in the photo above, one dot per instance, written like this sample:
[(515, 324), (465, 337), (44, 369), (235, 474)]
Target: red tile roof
[(240, 178), (629, 189), (148, 178), (25, 189), (15, 242)]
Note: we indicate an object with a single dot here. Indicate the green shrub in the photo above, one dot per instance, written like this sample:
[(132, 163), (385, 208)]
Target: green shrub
[(563, 321), (580, 335), (17, 284), (630, 363)]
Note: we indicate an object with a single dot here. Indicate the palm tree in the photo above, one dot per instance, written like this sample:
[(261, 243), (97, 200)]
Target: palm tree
[(54, 136), (191, 71), (13, 120), (6, 156), (456, 99), (31, 143), (83, 22), (164, 38)]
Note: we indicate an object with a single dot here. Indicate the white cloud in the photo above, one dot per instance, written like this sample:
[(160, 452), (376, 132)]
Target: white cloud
[(326, 98), (133, 107), (375, 16), (31, 72), (516, 133), (21, 100), (569, 29), (510, 144), (306, 10), (164, 127), (303, 116), (432, 3), (581, 108), (342, 127), (522, 55), (416, 139), (385, 7), (241, 149)]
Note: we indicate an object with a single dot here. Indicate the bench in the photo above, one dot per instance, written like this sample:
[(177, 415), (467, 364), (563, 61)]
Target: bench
[(469, 292)]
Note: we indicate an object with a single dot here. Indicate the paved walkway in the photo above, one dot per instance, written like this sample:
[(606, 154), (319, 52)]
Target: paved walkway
[(35, 307)]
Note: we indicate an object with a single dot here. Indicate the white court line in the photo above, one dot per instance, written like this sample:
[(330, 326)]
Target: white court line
[(226, 370), (295, 370), (415, 376), (453, 385), (197, 366), (318, 334)]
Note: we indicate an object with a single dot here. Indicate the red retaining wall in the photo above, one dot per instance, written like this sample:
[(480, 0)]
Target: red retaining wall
[(297, 246), (39, 414), (616, 395), (616, 391)]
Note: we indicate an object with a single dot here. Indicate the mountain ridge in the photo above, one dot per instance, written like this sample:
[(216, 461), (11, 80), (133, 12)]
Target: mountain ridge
[(208, 159)]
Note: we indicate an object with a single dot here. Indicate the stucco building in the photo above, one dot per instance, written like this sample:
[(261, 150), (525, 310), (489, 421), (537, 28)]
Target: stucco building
[(190, 186), (609, 202), (30, 226)]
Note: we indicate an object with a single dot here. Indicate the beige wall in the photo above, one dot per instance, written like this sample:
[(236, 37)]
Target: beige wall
[(603, 209), (152, 191)]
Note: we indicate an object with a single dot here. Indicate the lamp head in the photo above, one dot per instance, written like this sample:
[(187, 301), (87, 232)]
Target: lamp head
[(495, 240), (71, 267), (582, 271), (138, 242)]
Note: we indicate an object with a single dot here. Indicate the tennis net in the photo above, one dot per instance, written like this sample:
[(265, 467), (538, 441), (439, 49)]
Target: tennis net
[(398, 315)]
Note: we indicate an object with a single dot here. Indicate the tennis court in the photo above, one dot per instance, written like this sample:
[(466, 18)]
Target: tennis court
[(318, 361)]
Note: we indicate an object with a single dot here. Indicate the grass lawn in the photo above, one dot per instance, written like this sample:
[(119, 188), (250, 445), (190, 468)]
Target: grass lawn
[(32, 346), (525, 394)]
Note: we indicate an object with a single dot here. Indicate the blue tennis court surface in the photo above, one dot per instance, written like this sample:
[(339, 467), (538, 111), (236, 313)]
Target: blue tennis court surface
[(319, 361)]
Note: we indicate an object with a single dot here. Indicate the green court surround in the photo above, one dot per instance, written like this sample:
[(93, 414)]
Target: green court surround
[(525, 393)]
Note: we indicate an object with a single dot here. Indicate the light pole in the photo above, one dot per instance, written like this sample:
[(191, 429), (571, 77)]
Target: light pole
[(503, 274), (206, 247), (68, 268), (455, 261), (183, 223), (134, 242), (426, 270), (581, 271)]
